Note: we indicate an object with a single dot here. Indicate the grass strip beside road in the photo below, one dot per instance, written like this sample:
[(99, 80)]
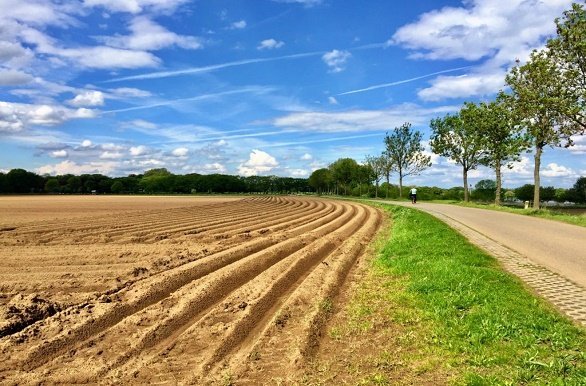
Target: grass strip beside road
[(437, 309), (550, 214)]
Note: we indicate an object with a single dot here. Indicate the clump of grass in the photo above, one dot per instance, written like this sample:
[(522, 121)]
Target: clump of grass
[(483, 321)]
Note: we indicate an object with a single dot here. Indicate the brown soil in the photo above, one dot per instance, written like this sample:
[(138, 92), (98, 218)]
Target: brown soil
[(233, 292)]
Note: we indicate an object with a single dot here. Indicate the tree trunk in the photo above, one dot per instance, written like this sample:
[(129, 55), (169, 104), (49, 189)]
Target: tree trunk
[(497, 197), (400, 185), (376, 190), (388, 184), (465, 177), (538, 151)]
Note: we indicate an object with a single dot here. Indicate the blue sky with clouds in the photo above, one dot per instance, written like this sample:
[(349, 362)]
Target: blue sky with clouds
[(254, 87)]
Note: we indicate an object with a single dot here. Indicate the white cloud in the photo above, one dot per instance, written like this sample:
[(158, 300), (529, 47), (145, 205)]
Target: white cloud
[(336, 60), (361, 120), (258, 162), (124, 92), (88, 98), (86, 143), (180, 152), (111, 155), (147, 35), (238, 25), (333, 101), (555, 170), (135, 6), (14, 78), (269, 44), (215, 167), (298, 173), (476, 83), (307, 3), (15, 117), (70, 167), (59, 154), (139, 150), (579, 144), (306, 157), (494, 32)]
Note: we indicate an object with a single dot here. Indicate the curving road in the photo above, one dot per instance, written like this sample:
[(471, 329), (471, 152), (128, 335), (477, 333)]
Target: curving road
[(557, 246)]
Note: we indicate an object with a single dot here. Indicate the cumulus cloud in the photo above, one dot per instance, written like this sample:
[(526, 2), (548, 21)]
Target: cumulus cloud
[(579, 144), (258, 162), (71, 167), (298, 173), (480, 30), (16, 117), (88, 98), (14, 78), (180, 152), (214, 167), (269, 44), (336, 60), (136, 151), (135, 6), (475, 83), (555, 170), (306, 157), (86, 143), (59, 153), (146, 35)]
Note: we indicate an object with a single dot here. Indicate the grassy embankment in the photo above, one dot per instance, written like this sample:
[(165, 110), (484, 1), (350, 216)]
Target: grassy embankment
[(434, 309)]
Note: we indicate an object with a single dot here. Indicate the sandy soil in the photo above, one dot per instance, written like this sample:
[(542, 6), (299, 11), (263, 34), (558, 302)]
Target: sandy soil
[(218, 293), (21, 209)]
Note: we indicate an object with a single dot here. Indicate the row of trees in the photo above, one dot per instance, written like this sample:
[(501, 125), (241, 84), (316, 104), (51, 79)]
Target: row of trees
[(546, 107), (18, 181)]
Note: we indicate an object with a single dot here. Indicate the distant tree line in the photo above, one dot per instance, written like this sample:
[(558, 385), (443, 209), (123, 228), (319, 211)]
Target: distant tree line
[(20, 181)]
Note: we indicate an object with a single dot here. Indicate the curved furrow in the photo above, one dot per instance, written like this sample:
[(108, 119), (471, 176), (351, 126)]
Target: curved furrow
[(188, 304), (150, 291)]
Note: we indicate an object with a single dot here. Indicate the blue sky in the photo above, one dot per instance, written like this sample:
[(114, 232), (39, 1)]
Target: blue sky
[(254, 87)]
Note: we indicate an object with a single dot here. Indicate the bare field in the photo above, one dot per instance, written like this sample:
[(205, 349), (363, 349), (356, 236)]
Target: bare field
[(199, 293), (21, 209)]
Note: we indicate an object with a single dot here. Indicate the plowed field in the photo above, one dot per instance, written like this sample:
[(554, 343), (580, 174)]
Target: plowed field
[(207, 293)]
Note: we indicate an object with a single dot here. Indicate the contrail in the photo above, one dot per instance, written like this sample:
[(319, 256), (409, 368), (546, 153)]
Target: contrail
[(402, 81), (195, 98), (324, 140), (197, 70)]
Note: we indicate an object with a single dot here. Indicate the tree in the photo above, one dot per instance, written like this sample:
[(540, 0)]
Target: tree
[(404, 149), (52, 185), (538, 100), (485, 190), (503, 138), (456, 137), (568, 51), (344, 172), (117, 187), (578, 192), (377, 165), (320, 180)]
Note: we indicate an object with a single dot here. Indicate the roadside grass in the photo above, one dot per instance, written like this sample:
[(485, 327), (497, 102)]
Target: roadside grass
[(434, 309), (541, 213)]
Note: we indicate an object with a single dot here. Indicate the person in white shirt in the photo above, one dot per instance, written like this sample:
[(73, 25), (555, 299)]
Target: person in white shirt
[(413, 195)]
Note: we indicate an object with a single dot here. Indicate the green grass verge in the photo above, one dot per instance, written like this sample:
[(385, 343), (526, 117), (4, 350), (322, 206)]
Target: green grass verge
[(541, 213), (488, 328)]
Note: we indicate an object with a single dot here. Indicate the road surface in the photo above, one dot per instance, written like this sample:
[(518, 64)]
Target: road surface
[(549, 256)]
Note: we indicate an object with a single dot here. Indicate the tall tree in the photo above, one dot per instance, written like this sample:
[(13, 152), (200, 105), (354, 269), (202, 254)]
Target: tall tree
[(504, 141), (344, 172), (377, 164), (537, 97), (568, 51), (320, 180), (456, 137), (403, 147)]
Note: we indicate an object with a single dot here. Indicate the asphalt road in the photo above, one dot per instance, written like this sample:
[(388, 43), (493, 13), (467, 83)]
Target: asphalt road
[(557, 246)]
